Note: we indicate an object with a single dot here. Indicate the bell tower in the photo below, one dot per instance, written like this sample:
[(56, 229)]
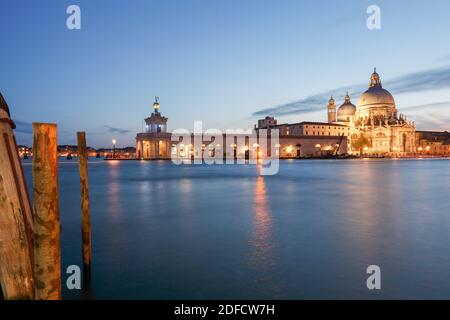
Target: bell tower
[(331, 110), (156, 123)]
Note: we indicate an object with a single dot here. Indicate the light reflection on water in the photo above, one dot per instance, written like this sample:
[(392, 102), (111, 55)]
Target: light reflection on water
[(261, 241), (162, 231), (261, 238)]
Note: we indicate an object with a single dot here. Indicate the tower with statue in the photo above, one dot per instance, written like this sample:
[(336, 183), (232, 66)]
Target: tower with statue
[(154, 142)]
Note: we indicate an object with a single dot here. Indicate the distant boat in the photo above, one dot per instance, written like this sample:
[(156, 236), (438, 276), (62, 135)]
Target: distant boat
[(69, 157)]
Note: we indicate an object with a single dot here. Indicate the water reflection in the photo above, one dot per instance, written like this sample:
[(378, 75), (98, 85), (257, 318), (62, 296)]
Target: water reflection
[(261, 242), (308, 232), (113, 189), (371, 208)]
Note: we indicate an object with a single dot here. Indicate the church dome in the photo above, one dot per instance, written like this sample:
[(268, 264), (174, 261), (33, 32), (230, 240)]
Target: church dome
[(376, 95), (347, 109)]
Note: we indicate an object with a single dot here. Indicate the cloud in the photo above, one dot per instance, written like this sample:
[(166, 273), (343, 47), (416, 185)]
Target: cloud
[(445, 58), (23, 127), (117, 130), (431, 118), (431, 121), (438, 78), (311, 103), (435, 105)]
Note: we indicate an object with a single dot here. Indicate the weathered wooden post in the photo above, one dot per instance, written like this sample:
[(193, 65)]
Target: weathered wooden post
[(16, 227), (47, 229), (85, 208)]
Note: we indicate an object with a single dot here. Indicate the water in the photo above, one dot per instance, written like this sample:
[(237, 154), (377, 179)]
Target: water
[(162, 231)]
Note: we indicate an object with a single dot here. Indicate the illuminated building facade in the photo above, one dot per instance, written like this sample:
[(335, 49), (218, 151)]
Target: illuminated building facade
[(371, 127), (155, 142), (374, 124)]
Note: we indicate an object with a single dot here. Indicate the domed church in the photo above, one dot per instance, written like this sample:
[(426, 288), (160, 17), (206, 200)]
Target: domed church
[(375, 125)]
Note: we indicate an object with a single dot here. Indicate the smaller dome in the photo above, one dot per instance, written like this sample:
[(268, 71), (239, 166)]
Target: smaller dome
[(347, 108)]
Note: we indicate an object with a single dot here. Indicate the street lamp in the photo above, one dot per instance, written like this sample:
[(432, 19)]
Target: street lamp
[(114, 148)]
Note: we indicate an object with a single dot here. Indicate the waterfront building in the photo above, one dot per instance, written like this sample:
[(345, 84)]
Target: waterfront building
[(311, 129), (372, 127), (308, 139), (433, 143), (155, 142), (374, 123), (297, 140), (24, 151)]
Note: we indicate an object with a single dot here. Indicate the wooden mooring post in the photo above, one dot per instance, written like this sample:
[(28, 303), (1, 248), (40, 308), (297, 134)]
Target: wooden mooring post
[(47, 228), (16, 223), (85, 207)]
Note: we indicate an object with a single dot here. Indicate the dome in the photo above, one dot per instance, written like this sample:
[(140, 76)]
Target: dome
[(376, 95), (347, 108)]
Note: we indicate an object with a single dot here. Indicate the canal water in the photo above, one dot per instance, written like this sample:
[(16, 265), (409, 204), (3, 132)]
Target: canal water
[(161, 231)]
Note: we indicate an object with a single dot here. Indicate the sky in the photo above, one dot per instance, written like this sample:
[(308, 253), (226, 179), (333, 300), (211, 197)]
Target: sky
[(224, 62)]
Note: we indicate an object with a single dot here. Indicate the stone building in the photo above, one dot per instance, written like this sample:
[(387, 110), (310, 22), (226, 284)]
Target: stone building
[(155, 142), (375, 126), (308, 139), (311, 129), (433, 143), (371, 127)]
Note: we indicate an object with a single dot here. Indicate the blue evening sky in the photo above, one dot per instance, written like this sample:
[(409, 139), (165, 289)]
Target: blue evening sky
[(217, 61)]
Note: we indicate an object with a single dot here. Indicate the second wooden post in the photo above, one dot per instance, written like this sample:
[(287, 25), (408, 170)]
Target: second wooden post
[(85, 207), (47, 228)]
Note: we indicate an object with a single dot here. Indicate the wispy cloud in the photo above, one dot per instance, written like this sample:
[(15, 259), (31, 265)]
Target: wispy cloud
[(438, 78), (445, 58), (117, 130), (436, 105), (431, 121), (23, 127)]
